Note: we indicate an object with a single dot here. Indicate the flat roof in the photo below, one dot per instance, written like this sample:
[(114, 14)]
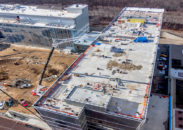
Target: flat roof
[(34, 10), (36, 24), (117, 69), (89, 96)]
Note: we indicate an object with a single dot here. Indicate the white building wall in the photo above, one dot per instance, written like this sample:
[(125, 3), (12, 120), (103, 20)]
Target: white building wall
[(39, 29), (82, 21), (176, 73)]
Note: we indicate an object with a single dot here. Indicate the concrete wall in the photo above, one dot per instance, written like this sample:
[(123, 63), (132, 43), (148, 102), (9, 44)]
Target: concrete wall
[(33, 36), (56, 119), (82, 21), (112, 121), (26, 34), (90, 120)]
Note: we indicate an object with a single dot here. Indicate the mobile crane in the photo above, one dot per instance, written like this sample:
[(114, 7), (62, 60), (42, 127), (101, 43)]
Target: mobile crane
[(41, 89)]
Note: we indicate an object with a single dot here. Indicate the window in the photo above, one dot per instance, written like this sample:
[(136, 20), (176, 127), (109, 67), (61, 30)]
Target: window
[(176, 63)]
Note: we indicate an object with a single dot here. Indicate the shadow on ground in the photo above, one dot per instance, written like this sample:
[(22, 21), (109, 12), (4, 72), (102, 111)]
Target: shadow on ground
[(4, 46)]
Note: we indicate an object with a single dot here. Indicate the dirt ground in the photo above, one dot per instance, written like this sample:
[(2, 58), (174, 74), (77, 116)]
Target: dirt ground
[(172, 41), (27, 63)]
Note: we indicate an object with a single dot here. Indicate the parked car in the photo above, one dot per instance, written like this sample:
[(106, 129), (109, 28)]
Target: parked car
[(162, 66), (163, 55), (162, 59)]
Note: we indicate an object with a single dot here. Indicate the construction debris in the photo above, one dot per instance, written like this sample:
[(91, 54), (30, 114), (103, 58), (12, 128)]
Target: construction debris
[(50, 78), (21, 83), (3, 75), (129, 66), (24, 103), (119, 54), (97, 50), (112, 64), (126, 65), (39, 90), (17, 66)]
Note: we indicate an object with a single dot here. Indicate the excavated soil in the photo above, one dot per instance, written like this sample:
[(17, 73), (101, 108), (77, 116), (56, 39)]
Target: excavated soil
[(27, 63), (123, 66)]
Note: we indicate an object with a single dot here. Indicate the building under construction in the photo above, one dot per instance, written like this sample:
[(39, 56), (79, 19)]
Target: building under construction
[(109, 85), (31, 25)]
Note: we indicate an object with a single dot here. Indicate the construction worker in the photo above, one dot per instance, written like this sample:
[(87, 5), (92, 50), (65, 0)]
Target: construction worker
[(18, 19)]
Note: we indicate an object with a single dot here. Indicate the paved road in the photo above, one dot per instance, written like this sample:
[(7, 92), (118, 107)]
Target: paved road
[(157, 117)]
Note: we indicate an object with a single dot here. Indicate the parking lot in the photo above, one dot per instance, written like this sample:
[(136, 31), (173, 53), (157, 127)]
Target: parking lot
[(160, 79)]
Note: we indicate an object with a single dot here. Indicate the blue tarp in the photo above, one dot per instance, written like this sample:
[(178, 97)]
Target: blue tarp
[(98, 43), (141, 39)]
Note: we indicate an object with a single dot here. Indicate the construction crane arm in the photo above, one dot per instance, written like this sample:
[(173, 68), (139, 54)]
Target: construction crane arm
[(57, 42), (45, 66)]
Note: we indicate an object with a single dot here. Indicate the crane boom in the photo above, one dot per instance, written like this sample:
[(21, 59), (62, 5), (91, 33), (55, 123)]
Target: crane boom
[(57, 42), (47, 61)]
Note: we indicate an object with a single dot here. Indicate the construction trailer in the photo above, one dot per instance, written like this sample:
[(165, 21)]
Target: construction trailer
[(103, 89), (34, 26)]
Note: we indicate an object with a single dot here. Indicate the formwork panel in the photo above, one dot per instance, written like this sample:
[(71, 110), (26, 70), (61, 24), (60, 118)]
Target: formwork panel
[(113, 120), (57, 117)]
